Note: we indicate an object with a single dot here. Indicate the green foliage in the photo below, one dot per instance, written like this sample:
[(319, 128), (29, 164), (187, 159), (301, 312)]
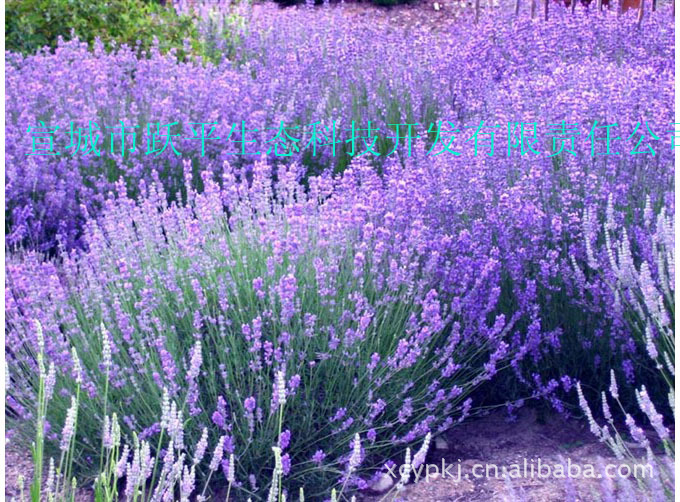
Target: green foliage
[(33, 24)]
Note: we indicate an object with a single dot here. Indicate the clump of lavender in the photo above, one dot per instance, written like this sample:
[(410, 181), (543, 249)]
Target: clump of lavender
[(136, 466), (355, 70), (327, 355), (647, 293), (517, 225)]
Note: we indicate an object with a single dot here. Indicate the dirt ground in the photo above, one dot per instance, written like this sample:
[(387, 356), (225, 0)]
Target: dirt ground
[(494, 441), (415, 16), (18, 463)]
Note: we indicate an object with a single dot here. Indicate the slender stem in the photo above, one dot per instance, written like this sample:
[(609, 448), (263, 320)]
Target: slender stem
[(39, 441), (228, 491), (106, 391), (158, 449), (280, 474)]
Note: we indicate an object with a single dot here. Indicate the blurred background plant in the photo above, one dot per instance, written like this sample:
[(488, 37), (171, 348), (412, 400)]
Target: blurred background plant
[(221, 28), (31, 25)]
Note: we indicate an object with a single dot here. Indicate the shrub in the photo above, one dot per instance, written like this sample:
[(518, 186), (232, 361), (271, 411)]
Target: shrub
[(146, 477), (533, 214), (323, 299), (645, 293), (31, 25), (176, 470)]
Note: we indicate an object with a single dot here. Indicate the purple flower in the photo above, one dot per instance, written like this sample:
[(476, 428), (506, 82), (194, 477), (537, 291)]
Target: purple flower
[(318, 457), (339, 414), (249, 404), (285, 464), (284, 439), (257, 286)]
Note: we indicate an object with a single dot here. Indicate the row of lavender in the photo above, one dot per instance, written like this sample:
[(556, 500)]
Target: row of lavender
[(578, 69), (381, 297)]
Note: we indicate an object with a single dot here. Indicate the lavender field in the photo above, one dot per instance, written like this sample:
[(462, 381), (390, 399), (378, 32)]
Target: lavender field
[(282, 254)]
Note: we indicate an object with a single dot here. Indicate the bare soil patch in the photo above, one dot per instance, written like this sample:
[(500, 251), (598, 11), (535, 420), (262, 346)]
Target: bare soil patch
[(495, 441)]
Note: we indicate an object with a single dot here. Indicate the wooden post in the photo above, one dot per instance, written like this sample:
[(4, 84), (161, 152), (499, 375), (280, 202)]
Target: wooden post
[(654, 5), (516, 8), (533, 9), (476, 11), (641, 12), (545, 8), (599, 5), (573, 6)]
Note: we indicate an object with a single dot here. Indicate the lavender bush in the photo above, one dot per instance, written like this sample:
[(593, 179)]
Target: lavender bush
[(321, 300), (646, 293), (532, 215), (172, 477)]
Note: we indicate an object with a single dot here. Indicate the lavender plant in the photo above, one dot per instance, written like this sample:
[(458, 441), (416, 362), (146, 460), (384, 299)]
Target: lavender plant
[(529, 213), (176, 470), (526, 219), (646, 293), (305, 319)]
